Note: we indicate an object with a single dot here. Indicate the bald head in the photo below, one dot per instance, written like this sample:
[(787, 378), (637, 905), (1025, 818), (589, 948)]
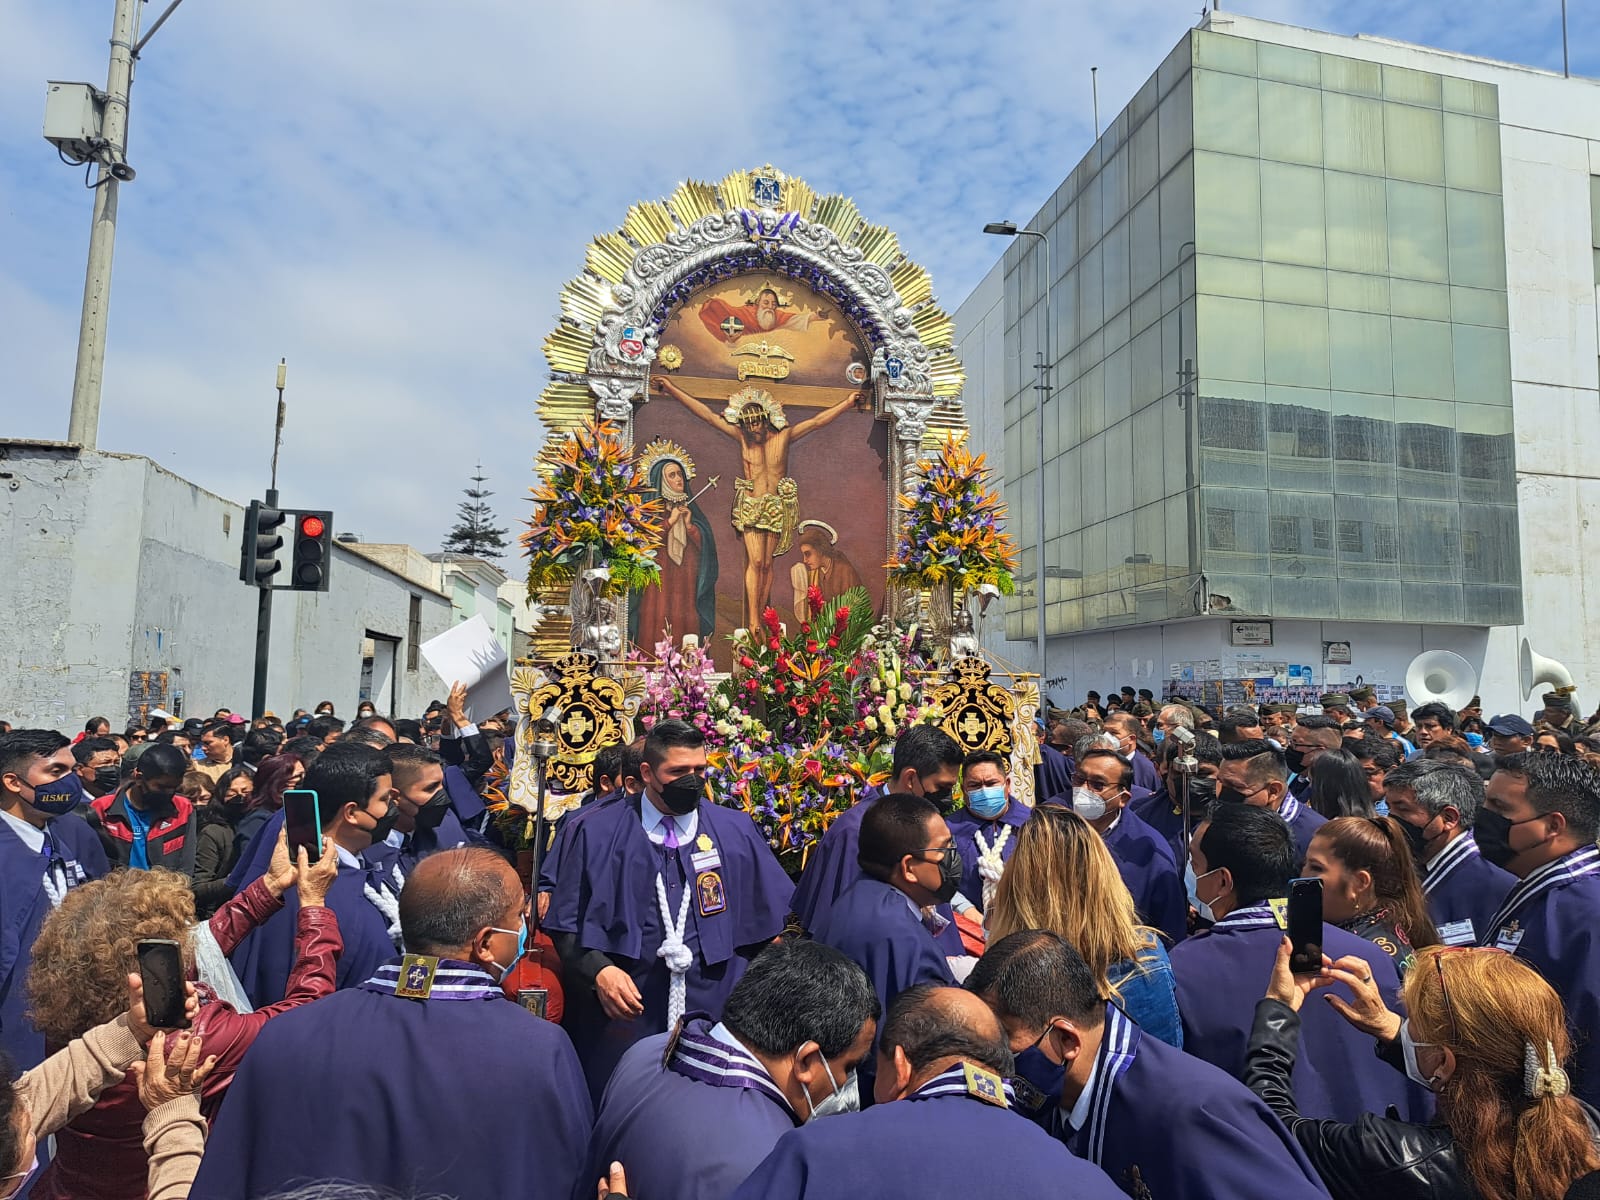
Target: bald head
[(452, 897), (934, 1026)]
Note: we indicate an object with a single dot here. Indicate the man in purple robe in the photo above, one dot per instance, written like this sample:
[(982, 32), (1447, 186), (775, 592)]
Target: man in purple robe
[(1255, 773), (927, 763), (1100, 790), (985, 826), (885, 921), (1150, 1116), (692, 1113), (432, 1082), (1436, 804), (354, 786), (1162, 810), (1539, 820), (659, 904), (1241, 861), (941, 1129), (1127, 729)]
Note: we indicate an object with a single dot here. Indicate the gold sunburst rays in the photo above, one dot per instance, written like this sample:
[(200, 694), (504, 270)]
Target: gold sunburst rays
[(911, 283), (878, 244), (840, 214), (585, 300), (648, 223), (947, 374), (610, 255), (692, 201), (933, 326), (567, 348)]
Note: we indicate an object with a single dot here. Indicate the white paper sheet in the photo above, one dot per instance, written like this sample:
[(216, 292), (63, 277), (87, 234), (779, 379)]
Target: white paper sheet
[(471, 654)]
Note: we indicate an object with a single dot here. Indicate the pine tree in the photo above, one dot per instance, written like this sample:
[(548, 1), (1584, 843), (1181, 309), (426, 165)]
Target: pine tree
[(475, 532)]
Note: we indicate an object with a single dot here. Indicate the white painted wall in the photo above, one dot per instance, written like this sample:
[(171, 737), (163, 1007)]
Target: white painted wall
[(113, 565)]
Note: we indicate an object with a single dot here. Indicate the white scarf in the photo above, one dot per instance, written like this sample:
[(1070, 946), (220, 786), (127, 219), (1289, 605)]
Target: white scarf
[(990, 864)]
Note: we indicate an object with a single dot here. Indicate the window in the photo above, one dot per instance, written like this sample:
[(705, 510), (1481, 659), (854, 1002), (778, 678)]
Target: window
[(1385, 543), (1219, 529), (1321, 534), (414, 635), (1285, 535), (1350, 539)]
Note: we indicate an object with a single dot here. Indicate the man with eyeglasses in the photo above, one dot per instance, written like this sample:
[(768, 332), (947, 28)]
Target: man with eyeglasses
[(355, 800), (1255, 773), (886, 921), (1100, 790), (1539, 819)]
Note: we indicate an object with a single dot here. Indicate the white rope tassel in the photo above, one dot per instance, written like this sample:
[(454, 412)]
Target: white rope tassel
[(677, 955), (388, 904), (990, 864)]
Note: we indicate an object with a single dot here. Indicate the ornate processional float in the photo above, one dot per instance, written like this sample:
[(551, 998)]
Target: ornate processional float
[(756, 512)]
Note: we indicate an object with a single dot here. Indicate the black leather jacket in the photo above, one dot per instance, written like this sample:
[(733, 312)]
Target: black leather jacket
[(1376, 1156)]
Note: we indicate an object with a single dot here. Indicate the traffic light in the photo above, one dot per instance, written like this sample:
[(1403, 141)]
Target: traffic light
[(258, 557), (313, 551)]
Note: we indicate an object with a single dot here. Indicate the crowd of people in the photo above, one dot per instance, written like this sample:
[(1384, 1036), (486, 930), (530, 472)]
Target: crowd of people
[(961, 994)]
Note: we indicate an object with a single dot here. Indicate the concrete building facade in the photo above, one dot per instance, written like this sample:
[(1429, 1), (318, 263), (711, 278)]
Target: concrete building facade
[(1326, 377)]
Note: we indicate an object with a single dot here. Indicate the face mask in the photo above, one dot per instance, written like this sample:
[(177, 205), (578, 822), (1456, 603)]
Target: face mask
[(1192, 882), (522, 947), (1231, 795), (1202, 789), (1045, 1076), (1158, 735), (1408, 1051), (949, 875), (106, 780), (1492, 832), (1296, 759), (59, 795), (25, 1176), (1475, 740), (845, 1098), (432, 813), (385, 824), (1417, 839), (1089, 805), (943, 799), (683, 796), (987, 802)]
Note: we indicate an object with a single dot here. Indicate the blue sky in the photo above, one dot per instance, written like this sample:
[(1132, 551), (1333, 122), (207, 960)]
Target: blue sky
[(391, 195)]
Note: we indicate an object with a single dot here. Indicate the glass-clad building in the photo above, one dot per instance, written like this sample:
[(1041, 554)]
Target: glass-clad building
[(1281, 368)]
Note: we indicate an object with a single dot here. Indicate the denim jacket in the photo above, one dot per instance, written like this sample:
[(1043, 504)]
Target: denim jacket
[(1147, 993)]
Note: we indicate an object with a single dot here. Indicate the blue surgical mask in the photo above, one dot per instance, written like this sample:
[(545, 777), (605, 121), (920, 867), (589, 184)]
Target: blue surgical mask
[(59, 796), (1047, 1076), (987, 802), (1158, 735), (522, 947), (1192, 881), (1475, 740)]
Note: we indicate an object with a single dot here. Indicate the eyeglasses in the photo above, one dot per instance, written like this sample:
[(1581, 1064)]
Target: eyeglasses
[(943, 852), (1438, 964)]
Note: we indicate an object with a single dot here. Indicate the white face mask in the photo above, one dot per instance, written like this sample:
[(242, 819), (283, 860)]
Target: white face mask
[(845, 1099), (1192, 881), (1091, 806), (1408, 1051)]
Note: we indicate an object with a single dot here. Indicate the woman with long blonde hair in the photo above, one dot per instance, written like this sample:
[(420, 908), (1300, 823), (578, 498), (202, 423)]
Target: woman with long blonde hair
[(1062, 878), (1486, 1034)]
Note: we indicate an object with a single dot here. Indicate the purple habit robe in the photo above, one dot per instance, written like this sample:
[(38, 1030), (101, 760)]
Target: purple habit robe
[(1145, 863), (937, 1144), (1163, 813), (1549, 921), (1053, 775), (965, 828), (1464, 891), (465, 1095), (694, 1126), (1222, 972), (605, 896)]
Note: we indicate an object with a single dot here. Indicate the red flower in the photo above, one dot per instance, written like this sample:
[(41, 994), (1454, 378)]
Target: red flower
[(841, 616), (770, 616), (746, 661), (833, 643), (850, 672), (811, 647), (814, 598), (779, 687), (773, 644)]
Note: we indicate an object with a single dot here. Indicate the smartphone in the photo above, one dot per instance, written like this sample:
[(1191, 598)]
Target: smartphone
[(302, 818), (161, 969), (1305, 926)]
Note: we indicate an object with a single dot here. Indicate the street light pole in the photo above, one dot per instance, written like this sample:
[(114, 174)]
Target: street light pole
[(84, 423), (1042, 365)]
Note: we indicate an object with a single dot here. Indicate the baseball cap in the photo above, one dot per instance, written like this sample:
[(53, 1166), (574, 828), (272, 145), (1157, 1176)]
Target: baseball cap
[(1510, 725), (1380, 712)]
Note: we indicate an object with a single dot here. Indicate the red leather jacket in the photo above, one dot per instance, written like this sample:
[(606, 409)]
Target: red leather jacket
[(100, 1155)]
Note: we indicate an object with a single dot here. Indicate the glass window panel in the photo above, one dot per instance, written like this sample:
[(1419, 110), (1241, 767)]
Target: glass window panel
[(1231, 334), (1413, 87), (1175, 468), (1091, 403), (1177, 512), (1299, 439), (1065, 484), (1150, 373), (1414, 143), (1357, 214), (1351, 75), (1489, 543), (1311, 597), (1435, 603), (1118, 384), (1422, 359), (1233, 436), (1477, 239), (1411, 298), (1363, 443), (1225, 113), (1482, 359), (1471, 153), (1234, 532), (1367, 536), (1144, 160), (1368, 599), (1417, 246), (1094, 558), (1291, 123), (1175, 124), (1118, 330), (1114, 261), (1224, 52), (1114, 188), (1470, 96), (1148, 430), (1296, 345), (1291, 214), (1359, 353), (1352, 133), (1227, 204), (1091, 294), (1177, 215), (1294, 285), (1090, 216), (1301, 539), (1288, 64), (1064, 240), (1239, 277), (1425, 448), (1146, 310), (1491, 605), (1363, 293), (1430, 542), (1119, 468), (1150, 542), (1472, 306), (1144, 245)]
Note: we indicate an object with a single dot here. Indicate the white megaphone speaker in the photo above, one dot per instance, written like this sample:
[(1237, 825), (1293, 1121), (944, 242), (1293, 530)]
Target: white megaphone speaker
[(1535, 669), (1441, 677)]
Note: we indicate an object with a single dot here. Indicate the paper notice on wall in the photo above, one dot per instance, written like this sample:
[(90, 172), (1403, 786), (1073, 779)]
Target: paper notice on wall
[(471, 654)]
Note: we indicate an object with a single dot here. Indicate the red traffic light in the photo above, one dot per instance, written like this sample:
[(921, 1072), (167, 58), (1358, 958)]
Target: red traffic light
[(311, 527)]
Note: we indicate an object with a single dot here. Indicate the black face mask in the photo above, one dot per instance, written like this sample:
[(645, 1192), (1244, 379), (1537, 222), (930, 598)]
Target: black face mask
[(432, 813), (1492, 832), (106, 780), (1229, 795), (683, 796), (1202, 789), (1417, 838), (949, 876), (943, 799), (1295, 758), (385, 824)]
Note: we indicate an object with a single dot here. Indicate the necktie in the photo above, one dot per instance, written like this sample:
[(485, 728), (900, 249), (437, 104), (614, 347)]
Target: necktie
[(670, 842)]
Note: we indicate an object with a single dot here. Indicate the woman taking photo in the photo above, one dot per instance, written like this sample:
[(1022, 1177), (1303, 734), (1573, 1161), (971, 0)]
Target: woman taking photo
[(1062, 878), (1370, 886), (1486, 1034)]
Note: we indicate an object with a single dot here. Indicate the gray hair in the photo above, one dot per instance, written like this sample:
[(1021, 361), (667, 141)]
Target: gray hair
[(1438, 785), (1095, 741), (1176, 714), (438, 915)]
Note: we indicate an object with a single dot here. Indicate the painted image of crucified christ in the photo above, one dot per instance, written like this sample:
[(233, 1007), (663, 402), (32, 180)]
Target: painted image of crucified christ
[(766, 509)]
